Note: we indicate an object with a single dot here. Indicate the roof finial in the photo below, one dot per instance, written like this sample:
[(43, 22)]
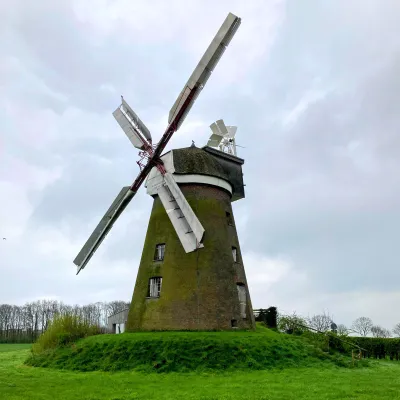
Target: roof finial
[(193, 145)]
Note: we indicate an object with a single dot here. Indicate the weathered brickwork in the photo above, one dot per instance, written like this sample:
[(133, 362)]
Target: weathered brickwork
[(198, 289)]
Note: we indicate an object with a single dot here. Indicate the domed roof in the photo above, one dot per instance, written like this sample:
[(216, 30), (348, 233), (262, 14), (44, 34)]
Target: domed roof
[(192, 160)]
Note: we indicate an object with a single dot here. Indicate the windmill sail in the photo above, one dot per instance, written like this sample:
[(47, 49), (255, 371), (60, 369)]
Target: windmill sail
[(214, 141), (223, 137), (104, 226), (216, 137), (231, 132), (132, 125), (202, 72), (136, 120), (222, 127), (140, 137), (186, 224)]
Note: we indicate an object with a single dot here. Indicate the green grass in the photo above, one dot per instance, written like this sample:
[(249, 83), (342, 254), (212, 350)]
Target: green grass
[(12, 347), (381, 381), (186, 352)]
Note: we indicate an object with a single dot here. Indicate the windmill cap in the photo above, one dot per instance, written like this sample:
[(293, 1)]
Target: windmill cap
[(208, 161), (192, 160)]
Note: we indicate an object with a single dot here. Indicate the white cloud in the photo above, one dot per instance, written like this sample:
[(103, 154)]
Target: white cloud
[(267, 271), (177, 23), (13, 218), (273, 280), (16, 75), (308, 98)]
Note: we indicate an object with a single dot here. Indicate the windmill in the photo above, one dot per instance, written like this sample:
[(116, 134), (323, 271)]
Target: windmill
[(180, 278), (223, 137)]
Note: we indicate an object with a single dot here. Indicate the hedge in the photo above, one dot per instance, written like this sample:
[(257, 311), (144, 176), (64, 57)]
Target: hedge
[(378, 347)]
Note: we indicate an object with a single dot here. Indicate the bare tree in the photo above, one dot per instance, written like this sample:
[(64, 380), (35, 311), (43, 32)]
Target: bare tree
[(117, 306), (320, 322), (25, 323), (362, 326), (396, 330), (379, 332), (342, 329), (387, 333)]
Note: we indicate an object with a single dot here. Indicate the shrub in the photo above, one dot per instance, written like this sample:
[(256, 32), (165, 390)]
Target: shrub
[(292, 324), (62, 331)]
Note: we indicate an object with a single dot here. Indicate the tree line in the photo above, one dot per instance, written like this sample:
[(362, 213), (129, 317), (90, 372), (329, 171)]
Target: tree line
[(363, 336), (24, 324), (362, 326)]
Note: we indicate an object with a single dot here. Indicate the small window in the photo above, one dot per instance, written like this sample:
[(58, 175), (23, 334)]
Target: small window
[(229, 218), (234, 254), (160, 251), (154, 287), (234, 323)]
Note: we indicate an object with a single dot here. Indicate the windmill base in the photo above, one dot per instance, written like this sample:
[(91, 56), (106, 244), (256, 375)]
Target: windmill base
[(201, 290)]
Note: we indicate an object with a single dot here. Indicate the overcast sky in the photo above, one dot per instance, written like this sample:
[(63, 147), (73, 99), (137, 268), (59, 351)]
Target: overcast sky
[(314, 88)]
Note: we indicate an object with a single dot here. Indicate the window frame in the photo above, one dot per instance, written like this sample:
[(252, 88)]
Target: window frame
[(159, 246), (154, 281), (235, 254)]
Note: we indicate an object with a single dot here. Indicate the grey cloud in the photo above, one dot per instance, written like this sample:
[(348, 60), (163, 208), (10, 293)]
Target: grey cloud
[(335, 216), (49, 39)]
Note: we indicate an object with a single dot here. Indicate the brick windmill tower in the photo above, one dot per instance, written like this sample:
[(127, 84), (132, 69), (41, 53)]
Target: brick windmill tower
[(191, 274)]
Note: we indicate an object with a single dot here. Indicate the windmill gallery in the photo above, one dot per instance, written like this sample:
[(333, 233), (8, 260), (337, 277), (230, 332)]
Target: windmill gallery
[(191, 275)]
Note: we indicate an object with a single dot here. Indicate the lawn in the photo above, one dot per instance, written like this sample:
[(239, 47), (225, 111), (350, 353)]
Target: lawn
[(379, 381), (13, 347)]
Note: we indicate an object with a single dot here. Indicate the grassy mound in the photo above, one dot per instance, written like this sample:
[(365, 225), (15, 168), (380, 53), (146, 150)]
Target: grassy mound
[(185, 351)]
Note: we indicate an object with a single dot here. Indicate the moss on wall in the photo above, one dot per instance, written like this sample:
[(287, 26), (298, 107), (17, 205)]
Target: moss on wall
[(192, 160), (199, 288)]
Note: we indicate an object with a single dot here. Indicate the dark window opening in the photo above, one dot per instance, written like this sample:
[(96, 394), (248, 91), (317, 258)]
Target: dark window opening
[(154, 289), (229, 218), (160, 251), (234, 323)]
